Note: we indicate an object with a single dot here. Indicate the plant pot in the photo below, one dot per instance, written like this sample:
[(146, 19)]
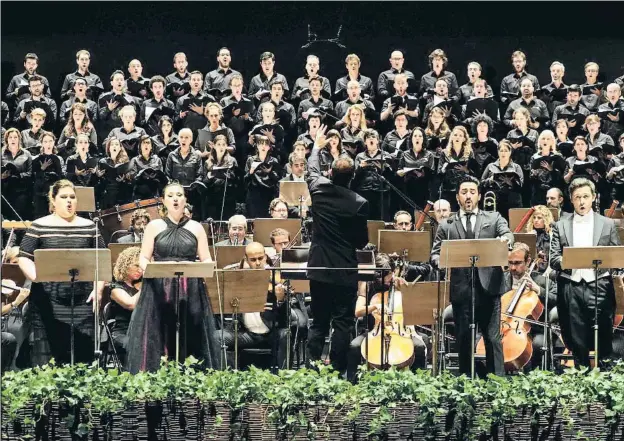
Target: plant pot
[(587, 423), (261, 428), (130, 424), (326, 423), (29, 424), (217, 420), (72, 422), (181, 420)]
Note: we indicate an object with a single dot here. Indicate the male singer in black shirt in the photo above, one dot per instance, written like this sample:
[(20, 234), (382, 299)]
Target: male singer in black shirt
[(219, 79), (408, 103), (315, 101), (536, 107), (20, 81), (259, 87), (111, 103), (552, 91), (352, 63), (178, 79), (339, 229), (511, 83), (572, 107), (465, 91), (312, 67), (94, 83), (612, 125), (190, 107), (472, 223), (37, 98), (80, 96), (386, 78), (438, 62), (137, 85), (152, 108)]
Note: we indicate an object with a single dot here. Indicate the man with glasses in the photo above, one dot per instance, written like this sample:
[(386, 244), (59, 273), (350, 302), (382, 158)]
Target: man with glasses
[(36, 100), (237, 230)]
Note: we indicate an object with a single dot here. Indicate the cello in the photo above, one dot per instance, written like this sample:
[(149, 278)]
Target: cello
[(398, 348), (519, 308)]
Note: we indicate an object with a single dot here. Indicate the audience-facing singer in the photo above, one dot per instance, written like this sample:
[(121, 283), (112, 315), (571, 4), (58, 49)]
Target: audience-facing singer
[(471, 223), (576, 295)]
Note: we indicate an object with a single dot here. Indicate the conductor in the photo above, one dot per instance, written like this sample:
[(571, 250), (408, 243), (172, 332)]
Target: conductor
[(339, 229)]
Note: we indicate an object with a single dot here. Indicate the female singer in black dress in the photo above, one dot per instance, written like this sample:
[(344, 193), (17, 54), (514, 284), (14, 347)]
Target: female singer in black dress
[(505, 178), (438, 133), (523, 140), (77, 123), (49, 304), (353, 132), (125, 291), (586, 165), (47, 169), (166, 141), (262, 175), (221, 181), (16, 176), (330, 150), (547, 167), (564, 144), (146, 187), (152, 330), (485, 147), (114, 187), (457, 161), (421, 160), (81, 168), (270, 128)]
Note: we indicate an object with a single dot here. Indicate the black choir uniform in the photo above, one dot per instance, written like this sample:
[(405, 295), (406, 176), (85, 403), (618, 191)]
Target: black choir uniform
[(589, 99), (217, 82), (543, 179), (109, 119), (415, 182), (192, 120), (303, 84), (536, 107), (262, 82), (44, 178), (189, 172), (240, 126), (131, 141), (139, 88), (506, 183), (475, 106), (612, 128), (205, 136), (94, 85), (485, 152), (569, 113), (177, 85), (385, 81), (92, 109), (152, 111), (16, 188), (18, 88), (262, 186), (221, 180), (163, 148), (591, 168), (394, 143), (326, 159), (28, 104), (110, 190), (565, 148), (367, 89), (436, 143), (553, 96), (409, 102), (428, 80), (369, 109), (489, 286), (522, 156), (277, 147), (510, 85), (466, 91), (451, 172), (67, 143), (323, 106), (575, 288), (449, 103), (31, 141), (617, 181), (149, 179), (368, 183)]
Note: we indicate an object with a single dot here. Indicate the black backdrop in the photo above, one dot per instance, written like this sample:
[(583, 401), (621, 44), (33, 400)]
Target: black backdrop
[(114, 33)]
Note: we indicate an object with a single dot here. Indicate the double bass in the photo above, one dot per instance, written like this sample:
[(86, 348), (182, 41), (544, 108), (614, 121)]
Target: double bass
[(519, 308), (398, 348)]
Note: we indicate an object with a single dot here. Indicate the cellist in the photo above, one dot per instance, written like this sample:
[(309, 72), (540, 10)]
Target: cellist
[(366, 291), (519, 263)]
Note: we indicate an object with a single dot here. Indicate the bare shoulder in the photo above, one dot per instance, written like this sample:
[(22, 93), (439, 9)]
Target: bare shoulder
[(155, 226), (195, 227)]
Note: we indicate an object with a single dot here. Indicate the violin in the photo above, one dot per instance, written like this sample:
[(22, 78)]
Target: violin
[(398, 348), (519, 308)]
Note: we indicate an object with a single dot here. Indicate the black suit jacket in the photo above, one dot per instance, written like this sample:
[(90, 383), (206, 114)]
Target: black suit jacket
[(339, 227), (128, 238), (487, 226), (605, 234)]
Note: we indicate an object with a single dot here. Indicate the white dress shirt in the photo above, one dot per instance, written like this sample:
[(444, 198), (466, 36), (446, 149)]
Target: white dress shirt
[(583, 236), (253, 321)]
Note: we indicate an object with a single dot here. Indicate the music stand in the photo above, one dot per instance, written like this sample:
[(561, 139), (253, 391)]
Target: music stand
[(529, 239), (596, 258), (117, 248), (66, 265), (373, 227), (295, 261), (242, 291), (621, 234), (473, 253), (516, 215), (85, 197), (416, 243), (295, 193), (263, 228), (177, 270), (228, 254), (16, 225)]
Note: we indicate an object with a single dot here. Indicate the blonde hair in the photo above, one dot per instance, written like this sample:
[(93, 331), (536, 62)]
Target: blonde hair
[(443, 131), (125, 109), (128, 257), (5, 144), (546, 215), (545, 134), (213, 105), (525, 112), (591, 119), (466, 145), (54, 191), (352, 57), (38, 112), (162, 210), (347, 117)]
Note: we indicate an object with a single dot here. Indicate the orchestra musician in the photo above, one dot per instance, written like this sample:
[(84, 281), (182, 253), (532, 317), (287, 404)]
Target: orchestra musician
[(237, 231), (470, 223), (138, 222), (541, 223), (576, 296)]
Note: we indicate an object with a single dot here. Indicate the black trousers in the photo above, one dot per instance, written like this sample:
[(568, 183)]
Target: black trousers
[(576, 306), (331, 304), (487, 318), (248, 339), (9, 348)]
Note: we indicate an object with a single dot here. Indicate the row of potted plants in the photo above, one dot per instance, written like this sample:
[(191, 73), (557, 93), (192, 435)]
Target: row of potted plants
[(182, 402)]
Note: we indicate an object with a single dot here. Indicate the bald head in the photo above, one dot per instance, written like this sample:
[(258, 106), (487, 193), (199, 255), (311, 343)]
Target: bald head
[(442, 209), (255, 256)]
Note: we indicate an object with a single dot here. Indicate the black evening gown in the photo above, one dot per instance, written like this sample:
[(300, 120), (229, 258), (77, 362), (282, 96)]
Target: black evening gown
[(50, 302), (152, 330)]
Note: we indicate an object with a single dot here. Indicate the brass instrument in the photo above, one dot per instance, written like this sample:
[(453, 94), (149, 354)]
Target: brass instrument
[(489, 201)]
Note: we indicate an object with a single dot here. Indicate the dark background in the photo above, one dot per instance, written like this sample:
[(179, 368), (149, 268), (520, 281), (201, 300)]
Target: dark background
[(114, 33)]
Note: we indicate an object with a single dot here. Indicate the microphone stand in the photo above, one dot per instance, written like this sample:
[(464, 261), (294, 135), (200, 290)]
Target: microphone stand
[(97, 350), (220, 297), (547, 349), (407, 200)]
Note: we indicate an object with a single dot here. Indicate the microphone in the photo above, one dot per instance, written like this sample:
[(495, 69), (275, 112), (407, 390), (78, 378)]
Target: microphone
[(209, 220)]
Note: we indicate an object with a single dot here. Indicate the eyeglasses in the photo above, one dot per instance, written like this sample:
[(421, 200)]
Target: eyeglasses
[(280, 210), (515, 262), (254, 259)]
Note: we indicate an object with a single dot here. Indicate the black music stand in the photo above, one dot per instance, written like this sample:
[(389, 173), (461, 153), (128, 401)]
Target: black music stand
[(242, 291), (177, 270), (473, 254), (66, 265), (605, 257)]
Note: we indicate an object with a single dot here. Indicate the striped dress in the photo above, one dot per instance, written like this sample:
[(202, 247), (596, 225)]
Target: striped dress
[(50, 302)]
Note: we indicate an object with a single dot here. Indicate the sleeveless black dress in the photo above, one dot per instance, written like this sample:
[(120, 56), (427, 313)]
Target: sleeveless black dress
[(152, 330)]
